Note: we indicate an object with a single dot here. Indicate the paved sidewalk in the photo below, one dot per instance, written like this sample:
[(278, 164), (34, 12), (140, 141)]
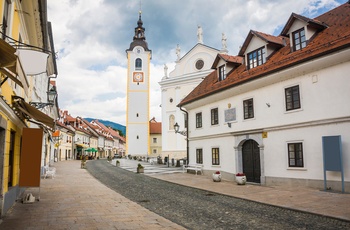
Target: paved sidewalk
[(76, 200), (310, 200)]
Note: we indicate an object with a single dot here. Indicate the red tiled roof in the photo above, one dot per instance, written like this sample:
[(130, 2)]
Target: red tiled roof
[(312, 22), (270, 39), (155, 127), (333, 38), (230, 58)]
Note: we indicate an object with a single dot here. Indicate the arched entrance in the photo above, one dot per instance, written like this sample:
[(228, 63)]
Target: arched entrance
[(251, 161)]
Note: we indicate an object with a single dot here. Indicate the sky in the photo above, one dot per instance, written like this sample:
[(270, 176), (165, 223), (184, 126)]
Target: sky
[(91, 36)]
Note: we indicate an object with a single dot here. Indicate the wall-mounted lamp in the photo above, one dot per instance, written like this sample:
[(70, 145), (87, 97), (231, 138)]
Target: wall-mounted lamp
[(268, 105), (229, 125), (51, 95), (177, 128)]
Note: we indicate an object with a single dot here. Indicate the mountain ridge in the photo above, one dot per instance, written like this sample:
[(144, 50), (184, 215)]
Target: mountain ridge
[(111, 124)]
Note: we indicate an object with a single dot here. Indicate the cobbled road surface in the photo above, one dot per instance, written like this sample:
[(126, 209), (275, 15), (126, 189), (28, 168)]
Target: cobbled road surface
[(197, 209)]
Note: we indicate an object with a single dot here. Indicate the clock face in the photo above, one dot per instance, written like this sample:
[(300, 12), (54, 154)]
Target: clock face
[(138, 77)]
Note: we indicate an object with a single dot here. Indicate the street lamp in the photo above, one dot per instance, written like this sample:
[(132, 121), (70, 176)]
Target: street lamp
[(51, 95), (184, 133)]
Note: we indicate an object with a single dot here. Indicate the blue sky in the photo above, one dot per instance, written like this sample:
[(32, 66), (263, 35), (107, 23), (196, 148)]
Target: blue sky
[(91, 37)]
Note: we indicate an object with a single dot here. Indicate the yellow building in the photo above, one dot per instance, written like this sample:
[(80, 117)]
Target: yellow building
[(25, 118), (155, 138)]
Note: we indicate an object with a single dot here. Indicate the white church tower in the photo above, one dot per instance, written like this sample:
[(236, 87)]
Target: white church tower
[(138, 94)]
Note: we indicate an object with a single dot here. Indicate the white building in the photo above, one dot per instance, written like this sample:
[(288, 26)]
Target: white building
[(188, 73), (266, 115), (138, 94)]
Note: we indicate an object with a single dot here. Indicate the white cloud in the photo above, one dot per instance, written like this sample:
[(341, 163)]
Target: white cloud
[(91, 37)]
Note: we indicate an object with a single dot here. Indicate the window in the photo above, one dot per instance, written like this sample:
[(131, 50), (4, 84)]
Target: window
[(198, 120), (154, 140), (171, 122), (11, 159), (5, 18), (256, 58), (138, 64), (199, 156), (222, 73), (154, 151), (299, 39), (295, 155), (292, 98), (214, 116), (248, 108), (215, 156)]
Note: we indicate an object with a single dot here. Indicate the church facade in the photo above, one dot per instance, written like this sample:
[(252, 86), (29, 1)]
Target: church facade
[(189, 71)]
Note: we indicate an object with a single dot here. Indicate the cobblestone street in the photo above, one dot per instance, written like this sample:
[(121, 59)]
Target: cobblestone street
[(199, 209)]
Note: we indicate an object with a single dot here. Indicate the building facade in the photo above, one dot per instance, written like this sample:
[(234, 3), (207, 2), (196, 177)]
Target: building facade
[(188, 73), (25, 105), (266, 116)]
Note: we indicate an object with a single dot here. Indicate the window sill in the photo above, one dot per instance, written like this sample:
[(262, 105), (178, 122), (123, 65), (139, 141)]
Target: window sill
[(297, 169), (293, 111)]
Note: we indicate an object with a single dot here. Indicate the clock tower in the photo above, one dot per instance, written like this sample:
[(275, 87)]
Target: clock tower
[(138, 92)]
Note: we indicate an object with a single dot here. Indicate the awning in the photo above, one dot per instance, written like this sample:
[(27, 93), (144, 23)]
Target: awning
[(91, 150), (34, 62), (11, 66), (26, 111), (81, 145)]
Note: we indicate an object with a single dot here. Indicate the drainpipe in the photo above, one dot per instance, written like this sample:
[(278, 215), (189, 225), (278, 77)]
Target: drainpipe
[(187, 141)]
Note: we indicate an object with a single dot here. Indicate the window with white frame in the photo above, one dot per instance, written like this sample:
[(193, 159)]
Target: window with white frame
[(214, 116), (215, 156), (256, 58), (222, 73), (295, 155), (248, 108), (299, 39), (292, 95), (199, 156), (198, 120)]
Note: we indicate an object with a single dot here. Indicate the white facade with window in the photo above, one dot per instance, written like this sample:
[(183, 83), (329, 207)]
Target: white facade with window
[(188, 73), (271, 127)]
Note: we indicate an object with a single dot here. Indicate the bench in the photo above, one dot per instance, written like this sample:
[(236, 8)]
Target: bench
[(49, 171), (194, 167)]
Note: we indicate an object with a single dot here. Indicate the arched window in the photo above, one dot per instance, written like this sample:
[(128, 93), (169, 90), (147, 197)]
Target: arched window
[(138, 64), (171, 122)]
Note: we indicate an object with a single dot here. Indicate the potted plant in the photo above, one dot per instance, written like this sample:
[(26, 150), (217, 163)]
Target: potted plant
[(241, 178), (117, 163), (140, 168), (216, 176)]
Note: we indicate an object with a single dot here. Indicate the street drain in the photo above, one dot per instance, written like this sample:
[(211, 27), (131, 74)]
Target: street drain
[(209, 194), (143, 201)]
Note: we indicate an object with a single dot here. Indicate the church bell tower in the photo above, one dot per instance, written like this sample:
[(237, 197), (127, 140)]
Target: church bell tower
[(138, 93)]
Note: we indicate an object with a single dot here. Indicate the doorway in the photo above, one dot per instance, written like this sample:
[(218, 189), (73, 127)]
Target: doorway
[(251, 161)]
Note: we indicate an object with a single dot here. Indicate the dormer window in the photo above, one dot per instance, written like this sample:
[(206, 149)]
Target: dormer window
[(299, 39), (256, 58), (222, 73), (138, 64)]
